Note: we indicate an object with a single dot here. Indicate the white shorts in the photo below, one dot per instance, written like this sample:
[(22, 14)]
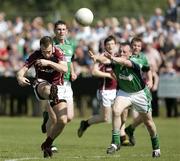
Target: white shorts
[(140, 101), (61, 90), (106, 97), (68, 96)]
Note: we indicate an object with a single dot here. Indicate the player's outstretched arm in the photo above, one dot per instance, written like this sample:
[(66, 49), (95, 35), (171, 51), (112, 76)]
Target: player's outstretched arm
[(96, 72), (99, 58), (119, 60)]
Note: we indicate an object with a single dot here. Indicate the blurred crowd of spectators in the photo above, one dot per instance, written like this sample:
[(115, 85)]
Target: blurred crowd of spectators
[(160, 34)]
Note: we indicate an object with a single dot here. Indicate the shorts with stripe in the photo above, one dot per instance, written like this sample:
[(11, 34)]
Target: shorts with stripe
[(140, 101)]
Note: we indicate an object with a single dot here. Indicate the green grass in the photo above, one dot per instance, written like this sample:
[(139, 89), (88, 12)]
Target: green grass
[(21, 138)]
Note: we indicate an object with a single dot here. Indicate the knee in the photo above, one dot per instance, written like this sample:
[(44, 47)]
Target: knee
[(106, 119), (149, 124), (116, 112), (123, 120), (53, 120), (46, 89), (62, 120), (70, 118)]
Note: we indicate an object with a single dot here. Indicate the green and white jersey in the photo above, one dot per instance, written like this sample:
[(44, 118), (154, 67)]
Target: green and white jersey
[(68, 50), (130, 79)]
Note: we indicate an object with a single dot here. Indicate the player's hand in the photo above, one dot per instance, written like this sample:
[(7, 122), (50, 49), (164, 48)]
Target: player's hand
[(113, 76), (73, 76), (23, 81), (107, 55), (42, 62), (92, 56), (149, 84)]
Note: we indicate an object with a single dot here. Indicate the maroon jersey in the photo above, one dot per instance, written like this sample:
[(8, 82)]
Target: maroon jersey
[(47, 73), (106, 83)]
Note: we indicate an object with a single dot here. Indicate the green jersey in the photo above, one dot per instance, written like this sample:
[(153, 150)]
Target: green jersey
[(68, 50), (130, 78)]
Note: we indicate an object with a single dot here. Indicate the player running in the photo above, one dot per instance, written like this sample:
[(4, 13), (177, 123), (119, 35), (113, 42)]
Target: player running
[(106, 92), (132, 92)]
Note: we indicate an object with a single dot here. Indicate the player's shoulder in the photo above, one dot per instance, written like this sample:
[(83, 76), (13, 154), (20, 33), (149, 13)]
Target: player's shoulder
[(139, 56), (142, 55), (67, 42), (58, 51)]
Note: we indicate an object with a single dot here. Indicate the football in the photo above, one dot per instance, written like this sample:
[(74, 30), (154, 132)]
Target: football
[(84, 16)]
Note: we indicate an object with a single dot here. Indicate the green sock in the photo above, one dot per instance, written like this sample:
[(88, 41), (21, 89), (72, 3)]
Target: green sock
[(116, 137), (45, 117), (155, 142)]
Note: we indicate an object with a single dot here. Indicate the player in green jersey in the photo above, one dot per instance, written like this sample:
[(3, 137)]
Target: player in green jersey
[(60, 41), (132, 92), (136, 46)]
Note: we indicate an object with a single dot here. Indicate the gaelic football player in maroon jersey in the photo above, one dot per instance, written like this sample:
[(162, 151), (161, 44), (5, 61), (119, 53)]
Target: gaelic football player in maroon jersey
[(50, 67)]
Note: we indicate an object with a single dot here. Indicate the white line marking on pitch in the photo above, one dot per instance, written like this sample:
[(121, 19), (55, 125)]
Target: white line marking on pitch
[(86, 157), (75, 157), (19, 159)]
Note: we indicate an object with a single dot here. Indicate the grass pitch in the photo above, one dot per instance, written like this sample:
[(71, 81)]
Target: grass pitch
[(20, 139)]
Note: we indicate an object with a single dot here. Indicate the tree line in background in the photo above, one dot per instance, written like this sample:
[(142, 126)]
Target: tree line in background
[(65, 9)]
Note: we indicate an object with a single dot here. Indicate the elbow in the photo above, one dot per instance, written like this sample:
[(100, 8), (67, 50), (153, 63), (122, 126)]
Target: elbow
[(64, 68), (94, 72)]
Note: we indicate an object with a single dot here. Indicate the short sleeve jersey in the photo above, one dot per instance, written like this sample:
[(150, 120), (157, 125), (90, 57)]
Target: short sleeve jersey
[(47, 73), (68, 50), (107, 83), (130, 78)]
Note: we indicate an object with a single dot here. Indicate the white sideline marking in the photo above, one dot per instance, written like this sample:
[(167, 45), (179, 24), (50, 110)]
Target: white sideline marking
[(75, 157), (19, 159), (87, 157)]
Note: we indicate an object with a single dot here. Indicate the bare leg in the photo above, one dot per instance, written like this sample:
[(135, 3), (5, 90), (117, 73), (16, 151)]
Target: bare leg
[(51, 121), (149, 123), (151, 127), (137, 121), (104, 116), (121, 103), (70, 109), (61, 115)]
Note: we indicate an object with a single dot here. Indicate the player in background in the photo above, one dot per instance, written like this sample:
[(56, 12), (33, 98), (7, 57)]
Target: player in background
[(60, 41), (106, 92), (50, 67), (132, 92)]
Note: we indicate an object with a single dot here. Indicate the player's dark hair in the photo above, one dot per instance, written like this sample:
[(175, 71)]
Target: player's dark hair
[(136, 39), (125, 44), (59, 22), (109, 38), (46, 41)]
